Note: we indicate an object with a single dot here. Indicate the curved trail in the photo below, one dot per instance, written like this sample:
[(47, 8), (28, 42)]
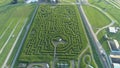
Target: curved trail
[(112, 20), (112, 23), (81, 56)]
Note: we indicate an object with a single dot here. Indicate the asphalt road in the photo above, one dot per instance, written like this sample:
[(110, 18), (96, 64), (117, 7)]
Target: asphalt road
[(100, 51)]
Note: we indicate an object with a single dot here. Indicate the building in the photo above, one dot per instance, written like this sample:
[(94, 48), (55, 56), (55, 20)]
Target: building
[(114, 45), (30, 1), (116, 65), (53, 1), (113, 30), (115, 53)]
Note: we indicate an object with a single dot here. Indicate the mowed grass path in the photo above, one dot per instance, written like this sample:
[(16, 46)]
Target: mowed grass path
[(12, 20), (96, 18)]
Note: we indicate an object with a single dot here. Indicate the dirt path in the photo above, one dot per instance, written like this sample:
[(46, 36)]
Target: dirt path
[(106, 14), (112, 23)]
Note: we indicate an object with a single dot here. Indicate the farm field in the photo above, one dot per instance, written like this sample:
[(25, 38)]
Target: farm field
[(56, 36), (12, 20)]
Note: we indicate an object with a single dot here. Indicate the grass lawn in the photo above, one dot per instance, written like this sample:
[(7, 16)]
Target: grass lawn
[(12, 20), (103, 41), (87, 61), (114, 12), (96, 18)]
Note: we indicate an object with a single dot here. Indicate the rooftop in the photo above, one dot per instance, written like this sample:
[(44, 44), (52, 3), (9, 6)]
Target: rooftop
[(112, 30), (114, 45), (30, 1), (116, 65)]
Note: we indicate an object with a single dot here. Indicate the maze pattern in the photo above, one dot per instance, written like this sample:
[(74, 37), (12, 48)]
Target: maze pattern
[(55, 21)]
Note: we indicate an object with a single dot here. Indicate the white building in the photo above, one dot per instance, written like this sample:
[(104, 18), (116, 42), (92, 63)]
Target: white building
[(113, 30), (30, 1), (53, 1), (116, 65), (116, 44)]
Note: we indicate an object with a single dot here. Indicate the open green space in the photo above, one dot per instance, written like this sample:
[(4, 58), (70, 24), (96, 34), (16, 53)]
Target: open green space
[(103, 41), (107, 7), (97, 19), (12, 19), (87, 59), (115, 14)]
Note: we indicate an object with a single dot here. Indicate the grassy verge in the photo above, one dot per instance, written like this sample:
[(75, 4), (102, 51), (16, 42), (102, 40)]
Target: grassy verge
[(87, 61)]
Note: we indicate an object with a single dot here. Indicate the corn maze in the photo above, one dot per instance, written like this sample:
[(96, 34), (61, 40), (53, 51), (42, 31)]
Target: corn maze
[(57, 26)]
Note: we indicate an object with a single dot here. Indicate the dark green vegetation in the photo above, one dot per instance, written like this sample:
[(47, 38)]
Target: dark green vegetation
[(95, 54), (14, 2), (50, 23), (87, 59)]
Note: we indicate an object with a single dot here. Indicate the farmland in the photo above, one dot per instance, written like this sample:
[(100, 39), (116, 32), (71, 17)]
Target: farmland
[(12, 19), (56, 36)]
